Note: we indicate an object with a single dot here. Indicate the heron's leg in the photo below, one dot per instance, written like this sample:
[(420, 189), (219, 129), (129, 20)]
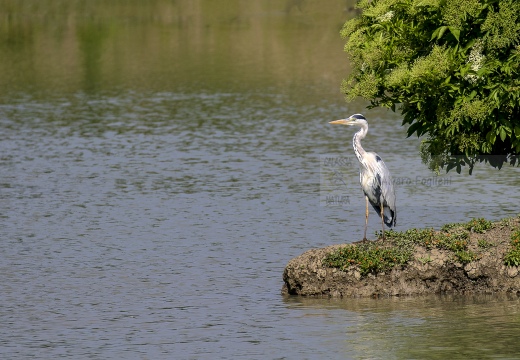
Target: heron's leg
[(382, 222), (366, 219)]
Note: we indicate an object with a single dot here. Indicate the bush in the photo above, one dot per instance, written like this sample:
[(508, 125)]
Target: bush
[(451, 67)]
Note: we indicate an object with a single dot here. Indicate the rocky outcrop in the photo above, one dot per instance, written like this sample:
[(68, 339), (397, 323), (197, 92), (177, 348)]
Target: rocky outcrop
[(429, 271)]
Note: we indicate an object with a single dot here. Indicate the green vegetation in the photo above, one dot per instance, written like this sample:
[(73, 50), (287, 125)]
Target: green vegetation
[(484, 244), (512, 258), (368, 257), (452, 68), (478, 226), (506, 222), (453, 237), (398, 247)]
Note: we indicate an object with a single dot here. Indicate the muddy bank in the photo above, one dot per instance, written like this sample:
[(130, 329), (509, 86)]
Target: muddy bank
[(429, 271)]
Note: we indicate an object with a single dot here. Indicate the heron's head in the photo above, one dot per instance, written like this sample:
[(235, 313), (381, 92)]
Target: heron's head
[(356, 119)]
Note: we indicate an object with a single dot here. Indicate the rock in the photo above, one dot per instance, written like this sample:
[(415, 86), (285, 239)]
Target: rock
[(512, 271), (430, 271)]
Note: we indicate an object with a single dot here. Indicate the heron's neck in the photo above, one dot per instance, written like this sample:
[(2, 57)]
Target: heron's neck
[(356, 143)]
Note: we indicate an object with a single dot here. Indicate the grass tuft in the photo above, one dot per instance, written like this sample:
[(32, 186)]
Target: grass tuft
[(368, 257)]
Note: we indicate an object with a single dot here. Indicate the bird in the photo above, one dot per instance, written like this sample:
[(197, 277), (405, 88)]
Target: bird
[(374, 176)]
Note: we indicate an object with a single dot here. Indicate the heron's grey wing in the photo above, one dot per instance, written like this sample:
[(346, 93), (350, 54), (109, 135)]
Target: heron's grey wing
[(388, 189), (378, 168)]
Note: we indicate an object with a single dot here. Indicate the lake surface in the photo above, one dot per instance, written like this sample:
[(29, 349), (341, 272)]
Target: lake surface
[(161, 163)]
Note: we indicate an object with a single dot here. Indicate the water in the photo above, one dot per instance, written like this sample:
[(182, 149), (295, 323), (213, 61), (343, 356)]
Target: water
[(153, 189)]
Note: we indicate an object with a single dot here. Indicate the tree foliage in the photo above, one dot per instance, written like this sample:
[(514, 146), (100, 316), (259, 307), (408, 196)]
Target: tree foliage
[(451, 67)]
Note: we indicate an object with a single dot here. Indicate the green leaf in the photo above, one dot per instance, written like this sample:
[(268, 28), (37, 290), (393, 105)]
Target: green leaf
[(413, 128), (491, 137), (438, 32), (450, 166), (517, 131), (502, 133), (455, 32)]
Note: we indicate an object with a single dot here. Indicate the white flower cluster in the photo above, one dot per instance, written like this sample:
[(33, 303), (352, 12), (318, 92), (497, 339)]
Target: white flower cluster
[(476, 59), (386, 17)]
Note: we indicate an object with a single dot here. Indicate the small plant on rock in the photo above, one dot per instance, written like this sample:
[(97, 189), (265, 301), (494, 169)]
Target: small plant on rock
[(479, 226), (512, 258), (484, 244)]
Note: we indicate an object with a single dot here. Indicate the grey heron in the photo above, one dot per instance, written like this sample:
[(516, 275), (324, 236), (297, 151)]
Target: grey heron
[(374, 176)]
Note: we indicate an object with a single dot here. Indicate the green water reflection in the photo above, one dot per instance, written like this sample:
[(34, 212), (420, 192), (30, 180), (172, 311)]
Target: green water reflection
[(73, 45), (434, 327)]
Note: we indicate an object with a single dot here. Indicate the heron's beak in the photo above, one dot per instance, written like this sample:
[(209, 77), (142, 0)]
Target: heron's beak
[(341, 121)]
